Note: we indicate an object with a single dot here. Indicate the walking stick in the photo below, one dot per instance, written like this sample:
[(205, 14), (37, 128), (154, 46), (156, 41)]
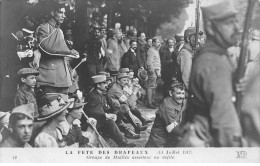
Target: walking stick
[(82, 60), (100, 138), (242, 59)]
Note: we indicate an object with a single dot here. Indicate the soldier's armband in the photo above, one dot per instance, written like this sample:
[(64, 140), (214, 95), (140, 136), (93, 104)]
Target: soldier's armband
[(171, 126)]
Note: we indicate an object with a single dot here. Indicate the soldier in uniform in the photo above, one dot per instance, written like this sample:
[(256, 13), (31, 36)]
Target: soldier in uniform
[(117, 92), (185, 57), (98, 108), (25, 93), (168, 117), (211, 109), (21, 123)]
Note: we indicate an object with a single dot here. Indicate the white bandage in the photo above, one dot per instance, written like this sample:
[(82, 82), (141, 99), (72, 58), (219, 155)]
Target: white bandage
[(171, 126), (123, 98)]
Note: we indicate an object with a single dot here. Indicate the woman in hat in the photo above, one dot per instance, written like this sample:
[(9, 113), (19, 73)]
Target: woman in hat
[(53, 112), (71, 130)]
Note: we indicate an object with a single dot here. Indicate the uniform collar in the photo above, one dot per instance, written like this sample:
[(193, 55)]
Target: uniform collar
[(177, 106)]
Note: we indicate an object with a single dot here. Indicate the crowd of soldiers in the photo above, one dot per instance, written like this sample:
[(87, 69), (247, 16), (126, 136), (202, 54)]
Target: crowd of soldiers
[(57, 105)]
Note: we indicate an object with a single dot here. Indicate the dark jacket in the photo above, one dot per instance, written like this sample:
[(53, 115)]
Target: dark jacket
[(211, 108), (96, 106), (75, 136), (53, 68), (129, 60), (141, 52), (93, 49), (169, 112), (168, 62)]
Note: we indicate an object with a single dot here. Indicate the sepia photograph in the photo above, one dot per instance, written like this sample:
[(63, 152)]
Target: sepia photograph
[(130, 81)]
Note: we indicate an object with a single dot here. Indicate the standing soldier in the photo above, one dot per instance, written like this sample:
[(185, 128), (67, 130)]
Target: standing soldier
[(154, 70), (211, 109), (184, 58)]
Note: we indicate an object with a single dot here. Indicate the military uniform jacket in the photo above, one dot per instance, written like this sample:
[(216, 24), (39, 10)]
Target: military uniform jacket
[(53, 67), (113, 55), (169, 114), (211, 107), (184, 59), (25, 95), (97, 106)]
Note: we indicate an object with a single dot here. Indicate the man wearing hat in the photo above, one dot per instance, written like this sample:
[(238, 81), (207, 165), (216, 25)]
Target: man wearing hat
[(211, 109), (168, 117), (21, 126), (25, 93), (54, 73), (98, 108), (117, 92), (184, 58), (113, 53)]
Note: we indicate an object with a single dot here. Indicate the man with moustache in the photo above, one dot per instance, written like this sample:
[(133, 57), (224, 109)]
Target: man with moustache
[(168, 60), (95, 56), (129, 59), (211, 111), (97, 107), (141, 50), (168, 117), (21, 124)]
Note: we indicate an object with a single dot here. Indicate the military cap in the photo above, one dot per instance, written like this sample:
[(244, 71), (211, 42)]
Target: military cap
[(104, 73), (219, 10), (189, 31), (26, 109), (99, 78), (124, 70), (179, 38), (122, 75), (175, 84), (27, 71)]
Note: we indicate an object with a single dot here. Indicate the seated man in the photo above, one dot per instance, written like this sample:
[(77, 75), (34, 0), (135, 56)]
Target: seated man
[(168, 117), (97, 108), (21, 123), (118, 93), (123, 112)]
